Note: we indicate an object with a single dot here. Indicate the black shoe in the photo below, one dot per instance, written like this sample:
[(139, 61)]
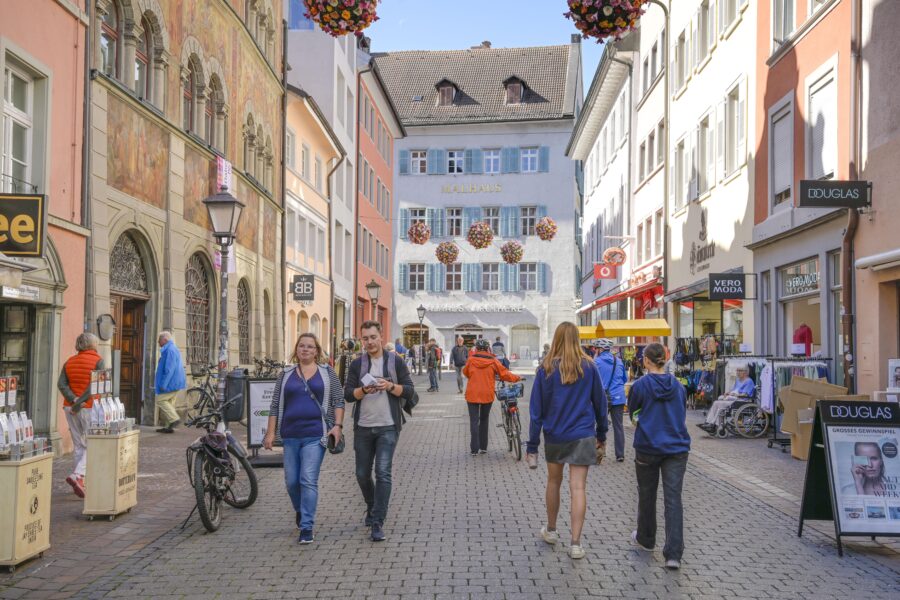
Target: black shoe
[(377, 532), (620, 459), (165, 430), (369, 520), (474, 452)]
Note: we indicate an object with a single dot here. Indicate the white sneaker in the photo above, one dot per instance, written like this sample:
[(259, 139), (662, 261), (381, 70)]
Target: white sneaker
[(531, 460), (635, 542), (551, 537), (576, 552), (673, 564)]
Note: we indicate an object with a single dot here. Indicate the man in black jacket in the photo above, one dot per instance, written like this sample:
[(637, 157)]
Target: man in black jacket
[(458, 356), (377, 420)]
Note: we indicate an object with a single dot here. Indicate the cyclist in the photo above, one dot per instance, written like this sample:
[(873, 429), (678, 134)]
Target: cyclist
[(482, 369)]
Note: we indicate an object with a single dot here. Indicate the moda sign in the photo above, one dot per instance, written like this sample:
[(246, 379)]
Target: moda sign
[(727, 286), (835, 194)]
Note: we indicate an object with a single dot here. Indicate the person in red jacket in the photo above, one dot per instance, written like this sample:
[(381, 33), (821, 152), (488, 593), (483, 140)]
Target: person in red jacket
[(75, 385), (482, 370)]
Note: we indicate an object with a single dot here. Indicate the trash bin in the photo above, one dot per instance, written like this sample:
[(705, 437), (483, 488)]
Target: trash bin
[(234, 390)]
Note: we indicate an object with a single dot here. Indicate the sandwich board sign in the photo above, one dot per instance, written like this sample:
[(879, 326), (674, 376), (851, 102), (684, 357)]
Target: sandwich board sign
[(853, 473)]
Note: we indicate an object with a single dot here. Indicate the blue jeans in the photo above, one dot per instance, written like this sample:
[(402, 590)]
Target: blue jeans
[(302, 461), (375, 446), (432, 378)]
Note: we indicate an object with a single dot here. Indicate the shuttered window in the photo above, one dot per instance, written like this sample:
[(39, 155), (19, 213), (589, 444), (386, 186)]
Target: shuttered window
[(822, 129), (782, 156)]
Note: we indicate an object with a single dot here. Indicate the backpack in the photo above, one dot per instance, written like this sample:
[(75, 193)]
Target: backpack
[(391, 359)]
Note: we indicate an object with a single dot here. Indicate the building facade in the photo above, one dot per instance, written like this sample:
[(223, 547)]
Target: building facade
[(325, 67), (185, 99), (377, 127), (803, 93), (308, 262), (486, 133), (42, 311), (711, 77)]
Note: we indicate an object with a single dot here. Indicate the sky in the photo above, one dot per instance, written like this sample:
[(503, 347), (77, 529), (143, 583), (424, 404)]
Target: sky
[(460, 24)]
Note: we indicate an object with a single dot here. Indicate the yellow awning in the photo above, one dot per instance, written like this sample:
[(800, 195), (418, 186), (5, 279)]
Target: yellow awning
[(633, 328), (587, 332)]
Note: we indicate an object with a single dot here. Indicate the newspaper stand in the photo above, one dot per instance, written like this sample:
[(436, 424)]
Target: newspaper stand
[(112, 455)]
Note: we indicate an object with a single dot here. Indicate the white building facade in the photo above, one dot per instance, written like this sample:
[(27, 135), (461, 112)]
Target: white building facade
[(486, 131)]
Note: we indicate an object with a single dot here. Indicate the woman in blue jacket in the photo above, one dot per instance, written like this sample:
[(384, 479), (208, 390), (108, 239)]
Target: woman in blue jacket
[(656, 405), (569, 406), (613, 377)]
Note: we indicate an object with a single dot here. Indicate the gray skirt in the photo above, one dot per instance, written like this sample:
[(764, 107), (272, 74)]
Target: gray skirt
[(577, 452)]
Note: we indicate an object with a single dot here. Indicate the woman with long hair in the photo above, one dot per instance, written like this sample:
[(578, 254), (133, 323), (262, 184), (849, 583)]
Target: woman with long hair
[(307, 408), (656, 405), (868, 473), (568, 404)]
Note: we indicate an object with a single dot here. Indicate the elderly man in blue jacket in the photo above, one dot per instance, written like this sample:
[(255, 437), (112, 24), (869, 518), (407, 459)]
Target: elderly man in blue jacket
[(613, 377), (170, 380)]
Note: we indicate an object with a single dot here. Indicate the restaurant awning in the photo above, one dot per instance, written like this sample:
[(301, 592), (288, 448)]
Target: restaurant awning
[(631, 292), (633, 328)]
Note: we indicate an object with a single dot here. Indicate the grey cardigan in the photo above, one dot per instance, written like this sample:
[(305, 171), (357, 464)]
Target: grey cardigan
[(333, 398)]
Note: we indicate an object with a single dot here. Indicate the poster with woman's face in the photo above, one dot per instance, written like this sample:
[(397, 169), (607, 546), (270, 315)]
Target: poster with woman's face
[(894, 374), (865, 467)]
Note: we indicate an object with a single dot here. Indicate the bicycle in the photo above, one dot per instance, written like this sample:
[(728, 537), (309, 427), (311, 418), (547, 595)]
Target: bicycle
[(200, 399), (508, 395), (218, 469), (267, 368)]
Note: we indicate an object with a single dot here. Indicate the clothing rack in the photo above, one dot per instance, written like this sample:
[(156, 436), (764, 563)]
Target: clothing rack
[(784, 442)]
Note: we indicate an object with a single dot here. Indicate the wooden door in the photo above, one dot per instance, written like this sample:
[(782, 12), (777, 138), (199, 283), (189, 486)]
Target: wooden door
[(130, 341)]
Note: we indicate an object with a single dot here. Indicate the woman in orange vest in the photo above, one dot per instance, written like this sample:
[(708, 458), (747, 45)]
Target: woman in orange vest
[(482, 370), (75, 385)]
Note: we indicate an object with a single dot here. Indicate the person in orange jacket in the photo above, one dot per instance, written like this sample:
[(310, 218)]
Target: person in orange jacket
[(482, 370)]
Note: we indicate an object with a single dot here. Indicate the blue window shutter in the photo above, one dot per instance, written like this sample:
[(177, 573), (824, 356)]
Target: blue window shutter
[(542, 277), (476, 276), (477, 161), (440, 219), (544, 159), (441, 167), (440, 276), (404, 222), (476, 213), (504, 286), (541, 210), (468, 158), (404, 162), (512, 215), (504, 221), (504, 160), (431, 158), (429, 276), (404, 277), (513, 160), (513, 278)]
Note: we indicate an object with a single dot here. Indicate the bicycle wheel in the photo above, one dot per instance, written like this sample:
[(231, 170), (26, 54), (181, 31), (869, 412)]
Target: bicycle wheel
[(198, 402), (243, 489), (750, 421), (516, 435), (507, 429), (209, 504)]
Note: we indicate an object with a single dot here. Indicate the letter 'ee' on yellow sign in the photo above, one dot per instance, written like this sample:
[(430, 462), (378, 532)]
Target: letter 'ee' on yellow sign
[(23, 224)]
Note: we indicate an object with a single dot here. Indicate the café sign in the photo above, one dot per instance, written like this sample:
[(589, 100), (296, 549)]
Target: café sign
[(23, 224), (834, 194)]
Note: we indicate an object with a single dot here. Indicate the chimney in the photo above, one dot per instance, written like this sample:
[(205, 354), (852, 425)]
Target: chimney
[(576, 38), (484, 44)]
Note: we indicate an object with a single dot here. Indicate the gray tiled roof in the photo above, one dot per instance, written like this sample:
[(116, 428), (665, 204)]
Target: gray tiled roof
[(479, 74)]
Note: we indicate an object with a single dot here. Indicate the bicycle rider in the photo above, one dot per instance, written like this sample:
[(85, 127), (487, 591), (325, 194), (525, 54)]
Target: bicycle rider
[(744, 389), (482, 369)]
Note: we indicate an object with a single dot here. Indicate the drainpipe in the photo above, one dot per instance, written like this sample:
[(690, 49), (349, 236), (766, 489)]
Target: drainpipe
[(86, 146), (666, 165), (356, 182), (284, 103), (847, 317), (334, 344)]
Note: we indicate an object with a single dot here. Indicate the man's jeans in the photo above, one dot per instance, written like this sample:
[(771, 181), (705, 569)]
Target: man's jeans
[(375, 445), (460, 380), (648, 468), (302, 462), (432, 378), (479, 416), (615, 416)]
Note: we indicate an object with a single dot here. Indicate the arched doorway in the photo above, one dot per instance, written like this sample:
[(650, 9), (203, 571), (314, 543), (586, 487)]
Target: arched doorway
[(469, 333), (130, 284), (525, 342), (413, 336)]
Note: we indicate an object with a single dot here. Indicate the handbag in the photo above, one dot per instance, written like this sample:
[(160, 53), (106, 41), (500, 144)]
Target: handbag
[(334, 446)]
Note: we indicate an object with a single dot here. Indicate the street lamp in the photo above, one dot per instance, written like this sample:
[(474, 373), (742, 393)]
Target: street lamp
[(421, 312), (224, 214), (374, 291)]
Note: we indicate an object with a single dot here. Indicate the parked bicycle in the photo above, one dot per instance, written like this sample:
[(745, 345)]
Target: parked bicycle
[(267, 368), (218, 469), (202, 398), (508, 395)]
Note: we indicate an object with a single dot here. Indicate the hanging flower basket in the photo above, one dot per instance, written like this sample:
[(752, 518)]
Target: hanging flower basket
[(512, 252), (447, 253), (418, 233), (480, 235), (340, 17), (546, 229), (614, 256), (601, 19)]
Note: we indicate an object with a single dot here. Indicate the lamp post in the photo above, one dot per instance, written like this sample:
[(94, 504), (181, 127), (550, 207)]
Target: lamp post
[(374, 291), (421, 312), (224, 214)]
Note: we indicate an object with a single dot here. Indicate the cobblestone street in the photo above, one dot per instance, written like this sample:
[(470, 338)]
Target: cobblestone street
[(464, 527)]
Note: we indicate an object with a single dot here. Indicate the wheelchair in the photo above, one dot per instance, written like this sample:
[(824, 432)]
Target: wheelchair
[(744, 418)]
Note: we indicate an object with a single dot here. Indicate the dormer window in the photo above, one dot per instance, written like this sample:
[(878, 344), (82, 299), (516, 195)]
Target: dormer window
[(514, 92), (446, 92)]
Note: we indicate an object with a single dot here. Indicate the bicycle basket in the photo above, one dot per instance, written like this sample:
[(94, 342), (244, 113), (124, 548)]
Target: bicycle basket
[(511, 392)]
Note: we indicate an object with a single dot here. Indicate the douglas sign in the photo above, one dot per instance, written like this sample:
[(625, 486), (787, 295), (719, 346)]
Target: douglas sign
[(727, 286), (834, 194)]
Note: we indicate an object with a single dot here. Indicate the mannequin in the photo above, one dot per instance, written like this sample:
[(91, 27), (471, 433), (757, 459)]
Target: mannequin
[(804, 335)]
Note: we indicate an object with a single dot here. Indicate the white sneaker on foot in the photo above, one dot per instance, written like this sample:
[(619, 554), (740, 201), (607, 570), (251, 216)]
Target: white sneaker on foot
[(673, 564), (576, 551), (635, 542), (531, 460), (551, 537)]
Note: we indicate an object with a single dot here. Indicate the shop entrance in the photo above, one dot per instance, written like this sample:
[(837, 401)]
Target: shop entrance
[(129, 314), (469, 333)]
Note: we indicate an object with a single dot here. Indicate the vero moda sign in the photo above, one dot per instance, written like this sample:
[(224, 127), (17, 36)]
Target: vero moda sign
[(834, 194), (727, 286)]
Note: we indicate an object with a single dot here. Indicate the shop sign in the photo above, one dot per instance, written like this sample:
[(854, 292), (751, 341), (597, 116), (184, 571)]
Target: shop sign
[(487, 308), (23, 224), (705, 250), (835, 194), (304, 288), (224, 175), (800, 279), (604, 271), (727, 286), (853, 474), (23, 292), (259, 401), (472, 188)]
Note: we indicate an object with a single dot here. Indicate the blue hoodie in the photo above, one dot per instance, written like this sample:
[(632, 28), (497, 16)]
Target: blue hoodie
[(612, 376), (170, 371), (657, 403), (567, 412)]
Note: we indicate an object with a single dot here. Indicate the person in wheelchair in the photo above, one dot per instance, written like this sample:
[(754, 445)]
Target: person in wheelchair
[(743, 391)]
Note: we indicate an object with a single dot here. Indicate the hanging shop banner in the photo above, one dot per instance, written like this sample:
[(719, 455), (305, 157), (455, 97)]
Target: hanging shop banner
[(304, 288), (23, 224), (727, 286), (853, 473), (835, 194), (604, 271), (259, 400)]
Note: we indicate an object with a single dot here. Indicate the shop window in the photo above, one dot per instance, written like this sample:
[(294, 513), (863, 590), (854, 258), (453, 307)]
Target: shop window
[(197, 296), (686, 319), (243, 307), (16, 325)]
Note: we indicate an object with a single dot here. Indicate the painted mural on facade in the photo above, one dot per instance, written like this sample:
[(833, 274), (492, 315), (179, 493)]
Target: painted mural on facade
[(197, 186), (137, 157)]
